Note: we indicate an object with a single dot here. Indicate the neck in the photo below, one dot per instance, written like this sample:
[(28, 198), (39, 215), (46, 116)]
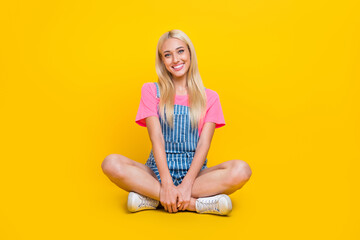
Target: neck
[(180, 85)]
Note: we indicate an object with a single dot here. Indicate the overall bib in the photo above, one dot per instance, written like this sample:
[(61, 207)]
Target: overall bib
[(180, 143)]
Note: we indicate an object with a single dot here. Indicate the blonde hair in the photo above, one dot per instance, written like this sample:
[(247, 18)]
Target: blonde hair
[(196, 90)]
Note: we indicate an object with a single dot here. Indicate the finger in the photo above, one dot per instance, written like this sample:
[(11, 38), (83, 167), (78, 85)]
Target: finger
[(183, 207), (180, 202), (179, 206), (174, 208), (164, 205), (169, 207)]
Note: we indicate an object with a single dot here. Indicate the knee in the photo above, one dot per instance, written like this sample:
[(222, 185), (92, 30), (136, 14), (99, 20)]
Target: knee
[(240, 172), (113, 165)]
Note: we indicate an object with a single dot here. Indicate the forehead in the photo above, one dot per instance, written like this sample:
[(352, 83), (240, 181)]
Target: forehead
[(171, 44)]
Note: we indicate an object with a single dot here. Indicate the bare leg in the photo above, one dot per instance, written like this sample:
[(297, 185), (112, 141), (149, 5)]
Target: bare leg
[(131, 175), (226, 178)]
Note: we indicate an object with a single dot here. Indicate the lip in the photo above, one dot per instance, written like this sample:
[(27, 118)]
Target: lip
[(178, 69)]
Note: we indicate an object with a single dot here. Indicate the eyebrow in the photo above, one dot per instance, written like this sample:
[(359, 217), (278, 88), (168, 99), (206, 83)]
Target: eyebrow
[(175, 49)]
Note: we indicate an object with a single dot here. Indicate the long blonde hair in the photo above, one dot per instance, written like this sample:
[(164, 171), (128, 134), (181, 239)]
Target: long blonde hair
[(196, 90)]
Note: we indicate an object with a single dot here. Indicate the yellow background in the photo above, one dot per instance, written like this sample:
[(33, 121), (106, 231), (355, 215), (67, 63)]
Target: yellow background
[(287, 73)]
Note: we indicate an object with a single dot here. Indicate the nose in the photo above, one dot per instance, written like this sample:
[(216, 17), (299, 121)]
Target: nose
[(175, 58)]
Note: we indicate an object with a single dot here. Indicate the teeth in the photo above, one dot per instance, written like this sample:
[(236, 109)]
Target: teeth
[(177, 67)]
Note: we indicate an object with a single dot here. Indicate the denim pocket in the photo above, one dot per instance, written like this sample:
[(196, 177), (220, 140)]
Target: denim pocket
[(178, 133), (181, 126)]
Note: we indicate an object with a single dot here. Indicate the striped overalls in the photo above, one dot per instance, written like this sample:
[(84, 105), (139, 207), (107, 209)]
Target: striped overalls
[(180, 143)]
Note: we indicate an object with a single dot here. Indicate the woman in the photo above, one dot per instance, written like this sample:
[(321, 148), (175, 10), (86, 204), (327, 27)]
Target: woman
[(181, 117)]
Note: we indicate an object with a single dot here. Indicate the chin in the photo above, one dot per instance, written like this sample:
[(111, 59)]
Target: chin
[(178, 75)]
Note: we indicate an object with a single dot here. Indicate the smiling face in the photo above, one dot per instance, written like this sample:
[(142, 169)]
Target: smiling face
[(176, 57)]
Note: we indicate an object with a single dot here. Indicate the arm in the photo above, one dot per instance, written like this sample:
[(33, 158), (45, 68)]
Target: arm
[(201, 152), (158, 144), (168, 192)]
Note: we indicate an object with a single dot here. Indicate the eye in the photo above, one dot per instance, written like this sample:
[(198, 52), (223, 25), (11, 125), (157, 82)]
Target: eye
[(167, 55), (181, 51)]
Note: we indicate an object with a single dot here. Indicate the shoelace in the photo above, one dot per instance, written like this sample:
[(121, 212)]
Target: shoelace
[(145, 202), (209, 206)]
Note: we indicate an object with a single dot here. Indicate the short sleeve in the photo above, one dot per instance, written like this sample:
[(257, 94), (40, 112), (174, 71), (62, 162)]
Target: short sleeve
[(214, 112), (148, 104)]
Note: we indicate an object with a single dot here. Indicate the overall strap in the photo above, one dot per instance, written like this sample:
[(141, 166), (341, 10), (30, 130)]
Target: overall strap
[(157, 90)]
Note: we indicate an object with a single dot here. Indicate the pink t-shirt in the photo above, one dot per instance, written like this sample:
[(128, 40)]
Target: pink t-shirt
[(149, 102)]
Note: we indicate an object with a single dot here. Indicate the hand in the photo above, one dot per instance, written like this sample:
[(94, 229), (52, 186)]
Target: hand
[(169, 197), (185, 190)]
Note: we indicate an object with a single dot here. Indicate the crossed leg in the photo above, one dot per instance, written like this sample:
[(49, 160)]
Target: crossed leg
[(226, 177)]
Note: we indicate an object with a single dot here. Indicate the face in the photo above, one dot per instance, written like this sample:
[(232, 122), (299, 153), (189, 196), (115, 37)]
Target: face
[(176, 57)]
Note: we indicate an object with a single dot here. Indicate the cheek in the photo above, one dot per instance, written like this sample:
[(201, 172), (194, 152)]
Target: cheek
[(188, 58), (166, 64), (188, 66), (168, 67)]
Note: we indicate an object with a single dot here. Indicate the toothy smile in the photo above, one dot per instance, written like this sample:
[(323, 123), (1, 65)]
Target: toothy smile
[(178, 67)]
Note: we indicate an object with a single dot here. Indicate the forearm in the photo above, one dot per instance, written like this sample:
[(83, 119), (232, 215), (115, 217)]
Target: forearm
[(197, 162), (161, 162)]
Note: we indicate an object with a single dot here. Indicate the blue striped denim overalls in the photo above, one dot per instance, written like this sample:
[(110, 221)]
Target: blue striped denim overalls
[(180, 143)]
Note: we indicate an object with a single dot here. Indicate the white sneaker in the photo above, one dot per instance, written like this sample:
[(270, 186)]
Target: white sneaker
[(137, 202), (218, 204)]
